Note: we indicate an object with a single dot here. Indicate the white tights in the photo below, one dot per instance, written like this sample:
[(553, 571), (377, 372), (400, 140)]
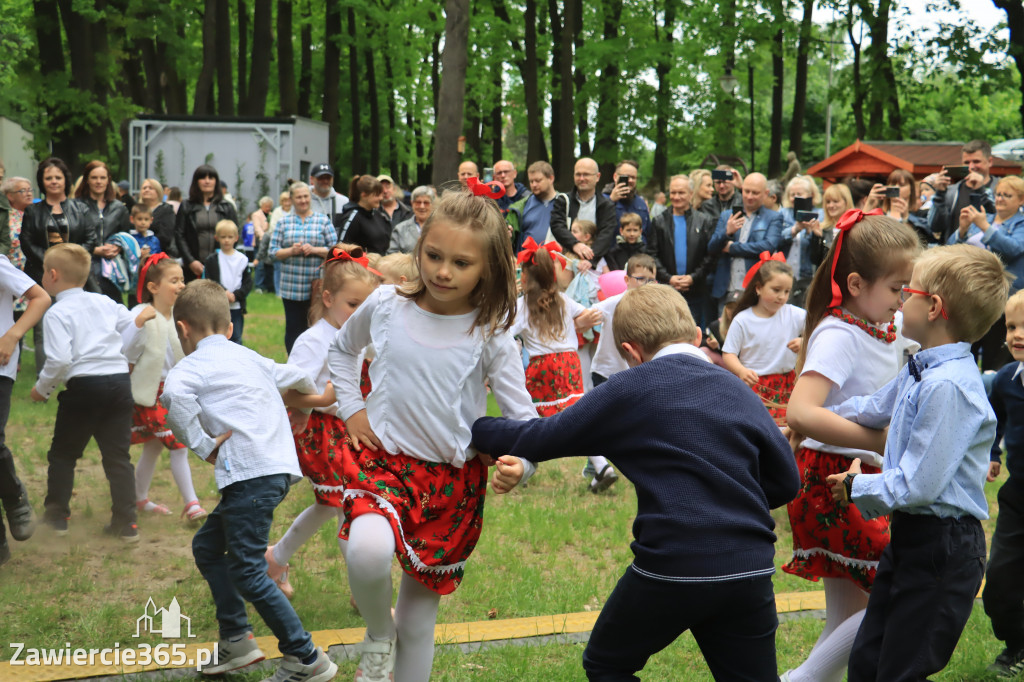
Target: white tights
[(844, 610), (179, 470), (371, 549), (302, 529)]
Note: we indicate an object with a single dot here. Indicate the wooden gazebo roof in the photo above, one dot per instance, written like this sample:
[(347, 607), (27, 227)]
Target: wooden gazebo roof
[(875, 160)]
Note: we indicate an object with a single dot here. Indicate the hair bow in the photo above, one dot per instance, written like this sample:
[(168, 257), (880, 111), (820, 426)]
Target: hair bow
[(763, 258), (530, 248), (843, 225), (491, 190), (356, 255), (141, 288)]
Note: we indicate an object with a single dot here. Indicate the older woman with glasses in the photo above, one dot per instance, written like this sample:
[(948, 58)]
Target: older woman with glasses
[(407, 233)]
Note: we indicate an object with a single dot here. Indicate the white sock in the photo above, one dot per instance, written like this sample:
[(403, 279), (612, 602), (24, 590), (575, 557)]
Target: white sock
[(302, 529), (844, 609), (145, 467), (598, 462), (182, 473), (371, 548), (415, 617)]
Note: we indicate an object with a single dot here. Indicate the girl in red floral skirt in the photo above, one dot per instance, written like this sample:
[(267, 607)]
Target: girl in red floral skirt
[(321, 445), (414, 486), (547, 321), (764, 336), (852, 347), (151, 355)]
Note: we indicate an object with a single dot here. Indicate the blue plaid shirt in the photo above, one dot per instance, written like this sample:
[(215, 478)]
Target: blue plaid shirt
[(298, 272)]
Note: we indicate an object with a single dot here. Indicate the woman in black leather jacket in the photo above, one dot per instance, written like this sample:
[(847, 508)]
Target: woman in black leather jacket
[(361, 223), (96, 192), (197, 219)]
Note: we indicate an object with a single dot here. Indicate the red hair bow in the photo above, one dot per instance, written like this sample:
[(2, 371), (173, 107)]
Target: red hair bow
[(530, 248), (356, 255), (843, 225), (491, 190), (764, 258), (155, 258)]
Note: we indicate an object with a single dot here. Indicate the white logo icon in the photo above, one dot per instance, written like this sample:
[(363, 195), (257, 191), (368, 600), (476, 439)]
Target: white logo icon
[(163, 622)]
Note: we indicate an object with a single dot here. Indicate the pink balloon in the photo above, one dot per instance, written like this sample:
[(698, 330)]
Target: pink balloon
[(612, 283)]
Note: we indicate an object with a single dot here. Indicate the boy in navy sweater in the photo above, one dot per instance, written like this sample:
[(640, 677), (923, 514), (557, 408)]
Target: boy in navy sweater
[(706, 480), (1004, 590)]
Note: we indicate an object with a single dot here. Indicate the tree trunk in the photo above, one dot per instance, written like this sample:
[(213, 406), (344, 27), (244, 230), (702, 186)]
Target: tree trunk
[(392, 163), (857, 102), (663, 69), (353, 93), (882, 90), (373, 95), (535, 148), (262, 47), (151, 70), (580, 79), (306, 63), (495, 115), (222, 49), (243, 58), (1015, 20), (796, 125), (82, 56), (564, 146), (286, 60), (778, 95), (606, 143), (51, 66), (453, 91), (174, 91), (332, 75)]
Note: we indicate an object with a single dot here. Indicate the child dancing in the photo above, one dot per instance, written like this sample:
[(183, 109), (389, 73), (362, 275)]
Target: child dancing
[(160, 281), (414, 486), (852, 348), (764, 336), (322, 445)]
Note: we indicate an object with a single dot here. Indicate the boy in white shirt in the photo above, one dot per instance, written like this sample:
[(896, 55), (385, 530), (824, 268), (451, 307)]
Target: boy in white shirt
[(14, 283), (230, 268), (219, 388), (84, 335), (641, 269)]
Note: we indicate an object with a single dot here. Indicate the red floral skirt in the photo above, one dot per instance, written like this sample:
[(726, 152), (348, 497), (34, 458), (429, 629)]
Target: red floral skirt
[(555, 381), (322, 448), (435, 510), (364, 379), (828, 540), (150, 421), (774, 391)]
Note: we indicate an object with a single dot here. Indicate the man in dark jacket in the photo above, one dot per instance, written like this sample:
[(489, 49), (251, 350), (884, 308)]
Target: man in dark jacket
[(624, 197), (679, 244), (585, 203), (949, 200), (505, 173), (727, 195)]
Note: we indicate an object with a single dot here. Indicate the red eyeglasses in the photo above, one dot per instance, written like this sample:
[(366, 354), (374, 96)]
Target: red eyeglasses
[(908, 290)]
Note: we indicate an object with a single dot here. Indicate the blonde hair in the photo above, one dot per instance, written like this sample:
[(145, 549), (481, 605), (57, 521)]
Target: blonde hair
[(652, 317), (203, 306), (972, 284), (156, 185), (70, 260), (1014, 183), (1016, 301), (809, 183), (399, 265), (336, 274), (587, 227), (836, 191), (641, 260), (630, 219), (494, 296), (696, 181), (224, 226)]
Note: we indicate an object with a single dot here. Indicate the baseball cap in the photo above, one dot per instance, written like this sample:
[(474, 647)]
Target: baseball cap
[(321, 169), (123, 184), (385, 178)]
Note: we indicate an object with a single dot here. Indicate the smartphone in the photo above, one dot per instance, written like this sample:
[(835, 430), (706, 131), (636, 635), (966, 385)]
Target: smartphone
[(892, 192), (805, 216), (957, 172), (721, 175), (738, 209), (976, 199), (803, 204), (623, 180)]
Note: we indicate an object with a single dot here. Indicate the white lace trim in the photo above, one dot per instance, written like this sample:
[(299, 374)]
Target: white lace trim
[(327, 488), (409, 551), (156, 434), (560, 401), (859, 563)]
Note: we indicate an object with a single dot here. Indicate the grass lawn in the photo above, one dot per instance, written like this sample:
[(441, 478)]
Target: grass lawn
[(549, 548)]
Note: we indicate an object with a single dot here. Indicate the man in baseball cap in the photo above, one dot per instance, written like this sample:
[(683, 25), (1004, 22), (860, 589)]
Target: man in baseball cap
[(390, 207), (325, 199)]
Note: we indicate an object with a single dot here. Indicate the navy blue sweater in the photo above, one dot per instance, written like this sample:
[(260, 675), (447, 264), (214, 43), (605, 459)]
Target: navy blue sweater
[(1007, 400), (706, 460)]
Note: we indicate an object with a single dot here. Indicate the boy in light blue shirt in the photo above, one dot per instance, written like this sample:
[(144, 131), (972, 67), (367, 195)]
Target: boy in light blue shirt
[(941, 430)]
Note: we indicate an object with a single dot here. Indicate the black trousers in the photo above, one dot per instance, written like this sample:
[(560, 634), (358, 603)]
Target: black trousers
[(296, 321), (10, 486), (923, 594), (97, 407), (733, 622), (1004, 582)]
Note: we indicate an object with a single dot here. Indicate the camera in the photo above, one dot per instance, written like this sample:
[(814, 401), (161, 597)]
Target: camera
[(721, 176), (623, 180), (803, 204), (805, 216), (957, 172), (738, 209), (892, 192), (977, 199)]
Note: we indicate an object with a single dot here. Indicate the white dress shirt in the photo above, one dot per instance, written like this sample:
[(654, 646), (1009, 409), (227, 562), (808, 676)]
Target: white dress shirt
[(310, 355), (83, 335), (222, 387), (13, 283)]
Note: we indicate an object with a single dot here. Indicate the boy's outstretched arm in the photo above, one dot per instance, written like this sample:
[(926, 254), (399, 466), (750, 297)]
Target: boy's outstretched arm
[(807, 415)]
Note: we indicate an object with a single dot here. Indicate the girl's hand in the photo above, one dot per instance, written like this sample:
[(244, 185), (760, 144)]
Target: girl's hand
[(749, 377), (795, 344), (508, 473), (711, 341), (360, 434), (147, 314), (993, 471), (583, 265), (795, 439), (588, 318), (297, 420)]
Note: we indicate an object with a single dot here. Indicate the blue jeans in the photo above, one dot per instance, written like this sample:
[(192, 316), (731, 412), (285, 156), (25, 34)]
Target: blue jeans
[(229, 551), (238, 322)]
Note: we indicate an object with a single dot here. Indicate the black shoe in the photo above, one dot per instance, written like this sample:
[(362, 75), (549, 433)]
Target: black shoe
[(128, 533), (1009, 663), (604, 479), (59, 524), (20, 518), (5, 553)]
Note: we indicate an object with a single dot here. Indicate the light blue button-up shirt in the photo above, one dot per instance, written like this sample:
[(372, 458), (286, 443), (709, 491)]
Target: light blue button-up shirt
[(941, 430)]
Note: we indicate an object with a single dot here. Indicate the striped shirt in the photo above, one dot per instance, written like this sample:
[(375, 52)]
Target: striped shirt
[(298, 272)]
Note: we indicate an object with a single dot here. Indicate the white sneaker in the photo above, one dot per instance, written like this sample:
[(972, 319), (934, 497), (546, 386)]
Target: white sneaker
[(604, 479), (377, 663), (293, 670), (234, 655)]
